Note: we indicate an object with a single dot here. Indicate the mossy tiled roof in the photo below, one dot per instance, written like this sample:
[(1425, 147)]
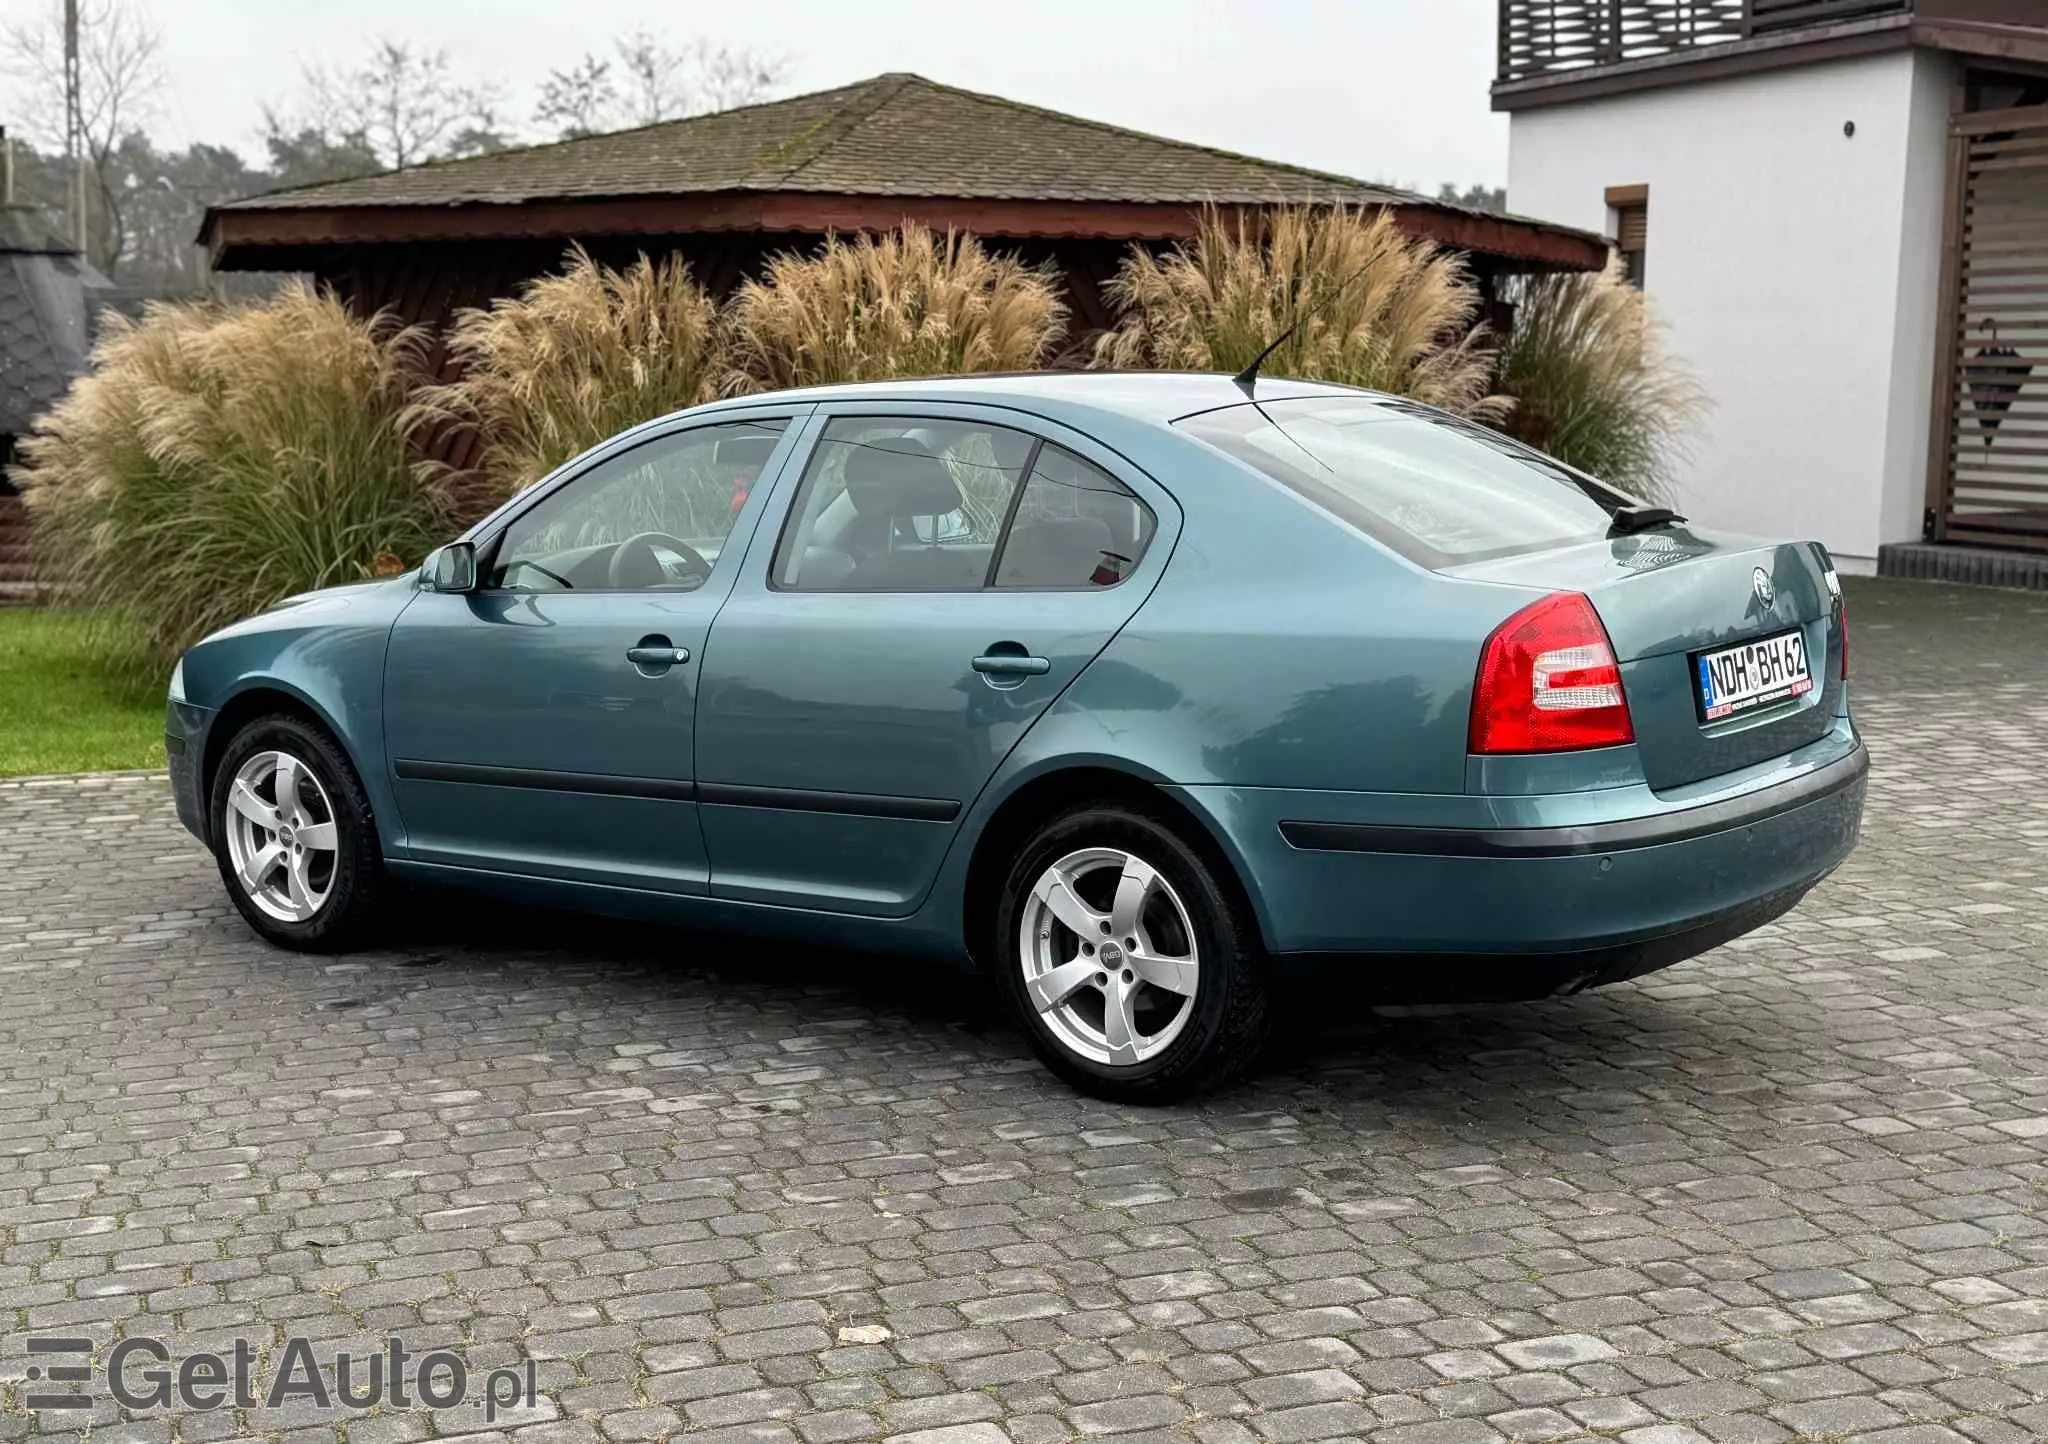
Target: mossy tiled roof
[(894, 135)]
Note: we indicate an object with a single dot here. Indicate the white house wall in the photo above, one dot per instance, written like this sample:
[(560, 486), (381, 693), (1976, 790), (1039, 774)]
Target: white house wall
[(1796, 270)]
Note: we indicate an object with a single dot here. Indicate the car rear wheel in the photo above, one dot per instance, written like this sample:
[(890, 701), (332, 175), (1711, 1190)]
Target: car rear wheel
[(1128, 962), (293, 836)]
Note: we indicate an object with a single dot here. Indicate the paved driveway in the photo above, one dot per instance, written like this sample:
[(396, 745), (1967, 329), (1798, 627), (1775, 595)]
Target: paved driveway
[(1796, 1189)]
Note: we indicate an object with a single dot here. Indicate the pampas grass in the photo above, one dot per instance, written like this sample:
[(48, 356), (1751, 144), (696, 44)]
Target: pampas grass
[(218, 458), (1377, 308), (572, 360), (1593, 387), (907, 303)]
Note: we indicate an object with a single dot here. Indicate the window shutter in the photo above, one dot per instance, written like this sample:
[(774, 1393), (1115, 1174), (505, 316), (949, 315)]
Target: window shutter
[(1631, 207), (1633, 228)]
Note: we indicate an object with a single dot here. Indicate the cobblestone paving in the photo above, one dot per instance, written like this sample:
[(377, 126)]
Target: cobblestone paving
[(1794, 1189)]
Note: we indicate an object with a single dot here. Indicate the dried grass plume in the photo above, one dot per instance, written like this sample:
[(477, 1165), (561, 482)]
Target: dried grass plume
[(1378, 308), (1592, 384), (906, 303), (573, 359), (217, 458)]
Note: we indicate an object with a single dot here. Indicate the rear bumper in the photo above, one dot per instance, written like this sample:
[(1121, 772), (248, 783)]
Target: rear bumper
[(1577, 889), (1450, 977), (1589, 839)]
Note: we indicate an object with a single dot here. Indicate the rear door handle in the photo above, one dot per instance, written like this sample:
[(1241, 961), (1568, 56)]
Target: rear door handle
[(1011, 664), (646, 656)]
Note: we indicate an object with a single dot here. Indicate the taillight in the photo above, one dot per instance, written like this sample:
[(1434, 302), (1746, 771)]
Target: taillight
[(1834, 585), (1548, 682)]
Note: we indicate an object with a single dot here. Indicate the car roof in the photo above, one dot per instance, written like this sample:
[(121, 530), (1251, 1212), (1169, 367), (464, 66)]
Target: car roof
[(1157, 396)]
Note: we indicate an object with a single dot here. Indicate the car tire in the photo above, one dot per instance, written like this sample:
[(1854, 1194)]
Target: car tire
[(1113, 1022), (288, 883)]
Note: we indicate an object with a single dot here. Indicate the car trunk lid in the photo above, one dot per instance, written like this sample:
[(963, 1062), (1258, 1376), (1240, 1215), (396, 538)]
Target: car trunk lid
[(1672, 595)]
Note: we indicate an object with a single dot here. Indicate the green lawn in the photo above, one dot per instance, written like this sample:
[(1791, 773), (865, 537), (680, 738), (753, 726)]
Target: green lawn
[(60, 711)]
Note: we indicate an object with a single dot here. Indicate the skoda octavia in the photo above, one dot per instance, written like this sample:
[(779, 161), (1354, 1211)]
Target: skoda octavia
[(1133, 689)]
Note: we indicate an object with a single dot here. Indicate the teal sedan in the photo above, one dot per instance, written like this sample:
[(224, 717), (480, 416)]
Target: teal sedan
[(1137, 691)]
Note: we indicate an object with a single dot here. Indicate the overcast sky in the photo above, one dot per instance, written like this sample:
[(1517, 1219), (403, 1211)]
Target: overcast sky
[(1381, 89)]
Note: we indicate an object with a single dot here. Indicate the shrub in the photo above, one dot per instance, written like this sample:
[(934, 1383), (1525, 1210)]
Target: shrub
[(1592, 386), (907, 303), (572, 360), (1377, 308), (216, 459)]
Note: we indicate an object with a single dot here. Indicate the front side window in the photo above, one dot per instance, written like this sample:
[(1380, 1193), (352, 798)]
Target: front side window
[(654, 518), (1434, 488)]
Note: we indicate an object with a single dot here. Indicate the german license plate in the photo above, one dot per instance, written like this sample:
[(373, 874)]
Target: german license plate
[(1752, 675)]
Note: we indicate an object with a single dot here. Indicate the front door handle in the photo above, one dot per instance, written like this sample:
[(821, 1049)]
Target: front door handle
[(1011, 664), (655, 654)]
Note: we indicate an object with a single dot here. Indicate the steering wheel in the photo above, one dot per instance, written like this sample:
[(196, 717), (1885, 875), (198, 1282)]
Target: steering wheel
[(556, 577), (635, 566)]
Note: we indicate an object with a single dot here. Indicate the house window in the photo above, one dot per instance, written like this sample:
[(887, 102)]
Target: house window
[(1631, 208)]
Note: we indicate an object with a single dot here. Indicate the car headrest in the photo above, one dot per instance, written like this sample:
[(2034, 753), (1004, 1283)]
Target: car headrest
[(899, 476), (751, 452)]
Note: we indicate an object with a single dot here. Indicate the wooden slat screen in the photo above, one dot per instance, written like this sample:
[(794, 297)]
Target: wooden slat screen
[(1991, 484), (1542, 37), (1770, 16), (1632, 234), (1538, 37), (1632, 239)]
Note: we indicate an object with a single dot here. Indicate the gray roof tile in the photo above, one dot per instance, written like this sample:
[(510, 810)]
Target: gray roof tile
[(894, 135)]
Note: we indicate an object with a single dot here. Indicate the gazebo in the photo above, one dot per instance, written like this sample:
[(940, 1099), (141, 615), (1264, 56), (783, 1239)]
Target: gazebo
[(728, 189)]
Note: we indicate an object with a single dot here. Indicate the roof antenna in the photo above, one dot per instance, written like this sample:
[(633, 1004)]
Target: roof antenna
[(1247, 378)]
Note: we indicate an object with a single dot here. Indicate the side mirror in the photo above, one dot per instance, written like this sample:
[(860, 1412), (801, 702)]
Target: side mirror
[(451, 568)]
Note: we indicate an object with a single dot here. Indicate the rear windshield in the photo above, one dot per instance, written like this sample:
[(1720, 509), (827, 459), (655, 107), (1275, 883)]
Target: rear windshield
[(1436, 489)]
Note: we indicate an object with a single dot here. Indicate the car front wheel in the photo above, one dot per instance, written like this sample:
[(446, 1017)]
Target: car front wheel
[(293, 836), (1128, 962)]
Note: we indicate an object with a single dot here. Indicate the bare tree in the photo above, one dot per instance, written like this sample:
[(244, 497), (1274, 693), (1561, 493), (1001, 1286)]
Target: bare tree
[(580, 100), (404, 104), (119, 79), (481, 134), (726, 77), (648, 81), (302, 154)]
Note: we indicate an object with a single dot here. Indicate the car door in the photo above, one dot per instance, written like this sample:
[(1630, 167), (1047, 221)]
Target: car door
[(939, 577), (541, 724)]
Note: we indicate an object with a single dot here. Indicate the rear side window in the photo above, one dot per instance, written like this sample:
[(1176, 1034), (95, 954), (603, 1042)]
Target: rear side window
[(1438, 490), (1075, 526)]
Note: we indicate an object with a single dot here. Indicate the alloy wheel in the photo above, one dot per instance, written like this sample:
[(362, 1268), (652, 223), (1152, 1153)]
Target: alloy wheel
[(281, 836), (1109, 956)]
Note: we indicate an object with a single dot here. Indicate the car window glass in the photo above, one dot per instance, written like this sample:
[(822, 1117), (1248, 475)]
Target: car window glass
[(1435, 488), (654, 518), (901, 504), (1076, 526)]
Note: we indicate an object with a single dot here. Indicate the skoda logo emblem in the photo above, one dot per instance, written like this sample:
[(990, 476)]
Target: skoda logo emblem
[(1765, 592)]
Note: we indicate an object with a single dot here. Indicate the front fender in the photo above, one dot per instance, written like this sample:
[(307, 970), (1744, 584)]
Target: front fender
[(326, 654)]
